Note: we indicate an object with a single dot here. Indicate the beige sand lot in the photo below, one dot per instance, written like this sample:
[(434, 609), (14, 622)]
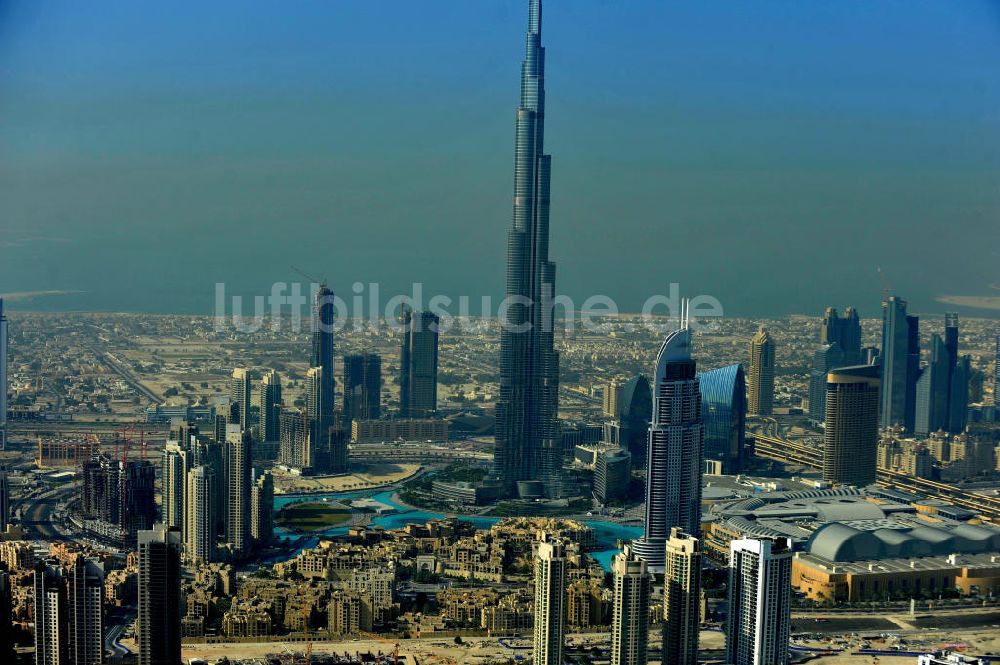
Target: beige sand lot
[(363, 477)]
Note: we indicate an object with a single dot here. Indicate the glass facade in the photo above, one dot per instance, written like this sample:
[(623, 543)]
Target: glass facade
[(724, 409)]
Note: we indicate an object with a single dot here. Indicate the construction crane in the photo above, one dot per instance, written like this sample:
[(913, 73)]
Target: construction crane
[(886, 288), (315, 280)]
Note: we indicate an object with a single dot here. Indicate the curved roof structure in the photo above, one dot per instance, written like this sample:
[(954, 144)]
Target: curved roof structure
[(636, 399), (676, 348), (840, 542)]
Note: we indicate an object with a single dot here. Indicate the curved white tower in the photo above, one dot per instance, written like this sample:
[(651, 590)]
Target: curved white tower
[(675, 453)]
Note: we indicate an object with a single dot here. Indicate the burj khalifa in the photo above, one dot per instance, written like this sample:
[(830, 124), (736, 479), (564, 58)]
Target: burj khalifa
[(528, 454)]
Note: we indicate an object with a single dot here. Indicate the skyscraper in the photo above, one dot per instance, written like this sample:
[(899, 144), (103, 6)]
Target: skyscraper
[(826, 358), (958, 394), (295, 450), (318, 425), (362, 388), (199, 535), (159, 616), (900, 362), (51, 615), (68, 612), (681, 599), (724, 410), (173, 483), (418, 364), (238, 475), (3, 376), (844, 331), (528, 446), (632, 414), (322, 357), (760, 596), (550, 601), (931, 410), (240, 395), (676, 449), (270, 406), (851, 438), (85, 641), (4, 499), (612, 393), (760, 374), (262, 507), (959, 377), (612, 474), (138, 498), (996, 373), (630, 614)]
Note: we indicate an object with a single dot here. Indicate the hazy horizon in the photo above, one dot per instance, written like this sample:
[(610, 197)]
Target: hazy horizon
[(771, 155)]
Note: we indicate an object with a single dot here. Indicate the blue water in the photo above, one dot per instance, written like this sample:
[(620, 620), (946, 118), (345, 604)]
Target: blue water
[(607, 533)]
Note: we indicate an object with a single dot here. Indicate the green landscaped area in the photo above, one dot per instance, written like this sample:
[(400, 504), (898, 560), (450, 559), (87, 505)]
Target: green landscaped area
[(312, 516)]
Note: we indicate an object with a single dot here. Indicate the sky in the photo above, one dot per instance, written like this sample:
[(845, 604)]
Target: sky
[(771, 154)]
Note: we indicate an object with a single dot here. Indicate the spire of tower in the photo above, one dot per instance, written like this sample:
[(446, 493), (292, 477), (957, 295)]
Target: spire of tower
[(535, 16)]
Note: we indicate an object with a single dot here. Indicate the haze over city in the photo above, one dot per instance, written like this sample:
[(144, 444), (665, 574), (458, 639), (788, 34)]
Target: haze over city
[(499, 332), (733, 149)]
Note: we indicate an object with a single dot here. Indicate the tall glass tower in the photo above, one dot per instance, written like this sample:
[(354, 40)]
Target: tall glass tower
[(528, 451), (675, 453), (322, 356)]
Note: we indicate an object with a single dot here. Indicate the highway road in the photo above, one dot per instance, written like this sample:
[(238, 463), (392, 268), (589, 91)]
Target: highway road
[(38, 512)]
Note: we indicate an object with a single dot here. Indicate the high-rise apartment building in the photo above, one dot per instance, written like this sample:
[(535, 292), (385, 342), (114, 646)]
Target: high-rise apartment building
[(760, 375), (269, 402), (760, 597), (238, 468), (362, 388), (900, 363), (199, 534), (51, 615), (681, 599), (241, 387), (85, 602), (528, 443), (550, 601), (262, 507), (850, 441), (676, 449), (318, 424), (418, 364), (175, 464), (612, 393), (68, 613), (630, 613), (4, 499), (295, 450), (159, 616)]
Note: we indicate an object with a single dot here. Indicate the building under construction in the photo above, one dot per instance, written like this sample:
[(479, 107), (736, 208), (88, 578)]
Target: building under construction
[(66, 451), (117, 497)]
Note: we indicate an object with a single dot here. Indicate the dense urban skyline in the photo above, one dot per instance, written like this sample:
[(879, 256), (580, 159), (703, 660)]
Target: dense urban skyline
[(635, 490)]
